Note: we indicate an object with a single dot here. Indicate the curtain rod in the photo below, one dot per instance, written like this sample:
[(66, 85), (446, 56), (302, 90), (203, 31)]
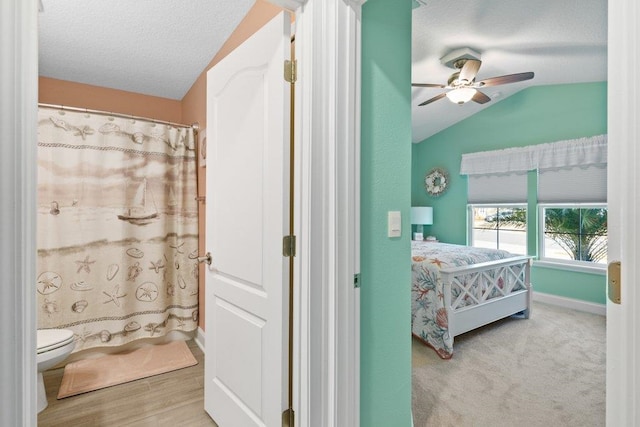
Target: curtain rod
[(195, 126)]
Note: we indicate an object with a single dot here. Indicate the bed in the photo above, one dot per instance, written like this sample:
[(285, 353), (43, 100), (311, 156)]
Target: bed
[(459, 288)]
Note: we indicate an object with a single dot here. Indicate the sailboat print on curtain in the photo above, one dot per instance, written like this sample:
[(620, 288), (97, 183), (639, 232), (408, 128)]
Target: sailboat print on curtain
[(138, 211)]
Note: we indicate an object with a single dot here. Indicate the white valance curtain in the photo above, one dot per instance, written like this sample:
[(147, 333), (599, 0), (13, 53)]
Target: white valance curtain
[(567, 153)]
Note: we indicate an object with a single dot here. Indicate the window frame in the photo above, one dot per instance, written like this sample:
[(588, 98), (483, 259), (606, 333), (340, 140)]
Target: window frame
[(470, 220), (566, 264)]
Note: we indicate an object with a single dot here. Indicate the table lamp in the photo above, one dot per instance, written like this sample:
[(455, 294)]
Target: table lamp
[(421, 215)]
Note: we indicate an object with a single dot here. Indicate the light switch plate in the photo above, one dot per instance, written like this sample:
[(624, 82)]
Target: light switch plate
[(394, 224)]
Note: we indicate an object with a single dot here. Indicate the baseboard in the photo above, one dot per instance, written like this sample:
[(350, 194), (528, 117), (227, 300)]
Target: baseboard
[(199, 338), (575, 304)]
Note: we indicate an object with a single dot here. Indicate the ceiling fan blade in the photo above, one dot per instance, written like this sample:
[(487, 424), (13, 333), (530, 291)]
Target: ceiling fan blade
[(427, 85), (469, 70), (480, 98), (435, 98), (501, 80)]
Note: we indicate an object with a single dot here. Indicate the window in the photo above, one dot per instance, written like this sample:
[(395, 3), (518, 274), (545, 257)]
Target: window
[(571, 219), (498, 211), (573, 215), (499, 227), (574, 233)]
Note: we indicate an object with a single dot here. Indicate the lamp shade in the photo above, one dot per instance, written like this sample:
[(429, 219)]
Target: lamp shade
[(422, 215)]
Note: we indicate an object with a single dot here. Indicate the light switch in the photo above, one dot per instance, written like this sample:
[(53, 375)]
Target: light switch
[(394, 224)]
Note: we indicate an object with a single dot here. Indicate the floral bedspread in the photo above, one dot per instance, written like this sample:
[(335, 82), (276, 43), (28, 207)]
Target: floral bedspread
[(428, 315)]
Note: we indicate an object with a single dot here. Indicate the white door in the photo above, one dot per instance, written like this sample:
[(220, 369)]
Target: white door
[(246, 302), (623, 180)]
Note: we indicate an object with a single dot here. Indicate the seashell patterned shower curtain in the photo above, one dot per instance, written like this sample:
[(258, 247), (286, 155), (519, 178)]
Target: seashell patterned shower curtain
[(117, 227)]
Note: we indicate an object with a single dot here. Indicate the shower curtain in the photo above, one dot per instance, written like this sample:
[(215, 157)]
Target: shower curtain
[(117, 227)]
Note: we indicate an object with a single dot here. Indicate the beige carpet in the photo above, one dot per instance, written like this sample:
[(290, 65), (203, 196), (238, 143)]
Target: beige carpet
[(548, 370), (93, 374)]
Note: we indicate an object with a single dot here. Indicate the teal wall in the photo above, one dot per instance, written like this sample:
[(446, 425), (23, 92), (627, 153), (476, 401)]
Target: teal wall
[(532, 116), (385, 263)]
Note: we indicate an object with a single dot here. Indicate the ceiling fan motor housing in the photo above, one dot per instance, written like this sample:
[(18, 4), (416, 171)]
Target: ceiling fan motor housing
[(454, 79), (452, 59)]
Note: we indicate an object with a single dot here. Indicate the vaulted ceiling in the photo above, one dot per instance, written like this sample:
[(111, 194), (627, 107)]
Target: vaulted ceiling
[(560, 41)]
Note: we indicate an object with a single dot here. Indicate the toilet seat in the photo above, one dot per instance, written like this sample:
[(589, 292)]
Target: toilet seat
[(50, 339), (54, 345)]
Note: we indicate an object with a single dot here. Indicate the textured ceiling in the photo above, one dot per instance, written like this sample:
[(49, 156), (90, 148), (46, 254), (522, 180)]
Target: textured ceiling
[(160, 47), (154, 47), (561, 41)]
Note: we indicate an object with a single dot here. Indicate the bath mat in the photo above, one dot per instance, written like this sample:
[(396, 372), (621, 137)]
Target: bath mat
[(93, 374)]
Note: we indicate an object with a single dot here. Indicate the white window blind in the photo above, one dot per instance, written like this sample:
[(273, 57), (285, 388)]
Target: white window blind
[(577, 184), (497, 188)]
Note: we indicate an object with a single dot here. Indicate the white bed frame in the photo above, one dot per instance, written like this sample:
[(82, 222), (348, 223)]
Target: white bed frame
[(462, 316)]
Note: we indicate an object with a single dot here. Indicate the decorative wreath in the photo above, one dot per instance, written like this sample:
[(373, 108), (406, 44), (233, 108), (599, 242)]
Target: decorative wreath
[(436, 181)]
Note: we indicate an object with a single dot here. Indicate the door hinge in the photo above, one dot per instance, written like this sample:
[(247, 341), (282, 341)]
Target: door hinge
[(288, 418), (356, 280), (289, 246), (614, 277), (290, 71)]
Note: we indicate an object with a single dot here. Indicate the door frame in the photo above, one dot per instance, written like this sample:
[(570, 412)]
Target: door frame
[(623, 178), (327, 206), (18, 184)]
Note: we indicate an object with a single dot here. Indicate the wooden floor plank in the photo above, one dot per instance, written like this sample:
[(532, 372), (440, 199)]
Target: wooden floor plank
[(170, 399)]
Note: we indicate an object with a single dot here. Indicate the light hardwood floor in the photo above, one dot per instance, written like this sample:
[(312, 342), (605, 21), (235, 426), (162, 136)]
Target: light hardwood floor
[(172, 399)]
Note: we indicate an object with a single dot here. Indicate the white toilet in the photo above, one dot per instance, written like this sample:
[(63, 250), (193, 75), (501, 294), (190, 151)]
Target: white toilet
[(54, 345)]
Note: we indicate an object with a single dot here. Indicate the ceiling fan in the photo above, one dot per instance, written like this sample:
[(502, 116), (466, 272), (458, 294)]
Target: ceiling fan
[(463, 84)]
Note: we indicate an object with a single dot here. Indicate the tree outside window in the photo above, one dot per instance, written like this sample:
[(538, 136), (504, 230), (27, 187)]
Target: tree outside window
[(575, 233)]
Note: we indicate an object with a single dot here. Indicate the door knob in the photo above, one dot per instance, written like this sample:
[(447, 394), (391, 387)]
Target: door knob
[(206, 258)]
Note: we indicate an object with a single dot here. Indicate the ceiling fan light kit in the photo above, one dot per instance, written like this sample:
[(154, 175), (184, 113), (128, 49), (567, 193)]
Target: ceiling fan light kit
[(462, 83), (461, 95)]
